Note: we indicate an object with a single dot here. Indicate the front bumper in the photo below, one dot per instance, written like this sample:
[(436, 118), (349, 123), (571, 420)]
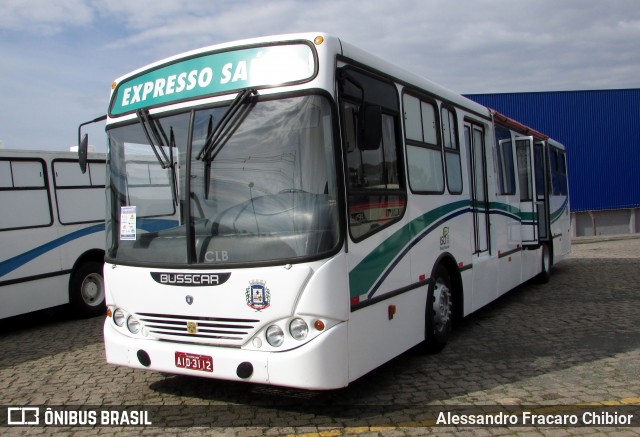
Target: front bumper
[(320, 364)]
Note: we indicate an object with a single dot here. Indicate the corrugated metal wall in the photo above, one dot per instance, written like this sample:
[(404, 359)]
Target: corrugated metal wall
[(601, 131)]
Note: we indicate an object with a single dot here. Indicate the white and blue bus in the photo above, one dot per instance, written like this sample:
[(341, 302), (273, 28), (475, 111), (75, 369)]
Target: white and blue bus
[(294, 211), (51, 232)]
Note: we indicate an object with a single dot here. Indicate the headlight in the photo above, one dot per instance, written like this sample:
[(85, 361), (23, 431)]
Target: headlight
[(133, 325), (298, 329), (275, 336), (119, 317)]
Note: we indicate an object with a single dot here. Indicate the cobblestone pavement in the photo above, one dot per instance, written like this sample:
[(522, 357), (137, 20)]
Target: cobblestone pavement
[(575, 340)]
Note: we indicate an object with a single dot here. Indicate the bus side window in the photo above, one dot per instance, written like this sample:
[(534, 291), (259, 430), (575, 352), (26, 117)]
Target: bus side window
[(6, 181), (558, 172), (24, 184), (451, 150), (424, 152), (376, 192), (78, 193), (505, 161), (563, 174), (371, 173)]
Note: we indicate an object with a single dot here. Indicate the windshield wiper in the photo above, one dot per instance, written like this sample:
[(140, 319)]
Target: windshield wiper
[(152, 131), (174, 177), (156, 131), (225, 127)]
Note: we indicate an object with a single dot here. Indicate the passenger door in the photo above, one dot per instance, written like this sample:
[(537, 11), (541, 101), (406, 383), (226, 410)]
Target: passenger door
[(528, 196), (474, 138), (542, 191)]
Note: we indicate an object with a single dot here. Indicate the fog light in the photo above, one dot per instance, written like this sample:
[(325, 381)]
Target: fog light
[(298, 329), (244, 370), (275, 336), (133, 325), (144, 358), (119, 317)]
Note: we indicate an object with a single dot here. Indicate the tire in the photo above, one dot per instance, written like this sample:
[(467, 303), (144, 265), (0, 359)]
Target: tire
[(545, 275), (86, 290), (439, 317)]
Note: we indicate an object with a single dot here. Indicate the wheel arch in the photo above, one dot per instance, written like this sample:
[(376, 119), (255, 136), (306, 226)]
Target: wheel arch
[(96, 255), (89, 255)]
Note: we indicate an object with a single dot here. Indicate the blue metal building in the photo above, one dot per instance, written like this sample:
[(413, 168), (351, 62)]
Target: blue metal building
[(601, 131)]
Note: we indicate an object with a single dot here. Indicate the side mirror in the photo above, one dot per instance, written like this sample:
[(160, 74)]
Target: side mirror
[(83, 145), (371, 128)]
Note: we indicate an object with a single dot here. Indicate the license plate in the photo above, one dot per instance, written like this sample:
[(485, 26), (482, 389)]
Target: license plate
[(194, 361)]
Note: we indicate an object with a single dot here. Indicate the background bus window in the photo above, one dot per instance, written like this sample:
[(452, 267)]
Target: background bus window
[(6, 181), (23, 186), (76, 193)]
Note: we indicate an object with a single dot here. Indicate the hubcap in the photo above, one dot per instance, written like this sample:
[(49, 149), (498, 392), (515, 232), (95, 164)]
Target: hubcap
[(441, 304), (92, 290)]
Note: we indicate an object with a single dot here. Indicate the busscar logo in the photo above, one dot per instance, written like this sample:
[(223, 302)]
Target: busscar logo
[(190, 279)]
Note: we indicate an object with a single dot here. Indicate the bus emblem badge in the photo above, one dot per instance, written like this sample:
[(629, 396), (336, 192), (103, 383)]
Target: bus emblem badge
[(189, 299), (192, 327), (258, 295)]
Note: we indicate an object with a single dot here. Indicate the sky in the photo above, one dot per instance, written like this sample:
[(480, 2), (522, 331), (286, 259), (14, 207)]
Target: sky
[(58, 58)]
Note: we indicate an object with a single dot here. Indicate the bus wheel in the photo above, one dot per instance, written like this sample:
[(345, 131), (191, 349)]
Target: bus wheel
[(87, 290), (439, 310), (545, 275)]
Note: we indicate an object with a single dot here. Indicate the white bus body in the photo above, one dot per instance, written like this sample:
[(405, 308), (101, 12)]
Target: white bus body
[(306, 212), (52, 232)]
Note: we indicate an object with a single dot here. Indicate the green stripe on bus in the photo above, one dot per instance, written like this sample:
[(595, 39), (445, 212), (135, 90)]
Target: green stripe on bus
[(555, 216), (366, 273)]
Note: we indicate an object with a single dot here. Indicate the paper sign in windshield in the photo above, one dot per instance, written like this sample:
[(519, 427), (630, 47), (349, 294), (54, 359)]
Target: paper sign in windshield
[(127, 222)]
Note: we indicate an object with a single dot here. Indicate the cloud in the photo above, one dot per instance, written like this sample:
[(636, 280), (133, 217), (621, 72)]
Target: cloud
[(470, 46), (44, 17)]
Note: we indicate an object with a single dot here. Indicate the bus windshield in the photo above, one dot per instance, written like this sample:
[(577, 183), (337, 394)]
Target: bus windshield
[(266, 193)]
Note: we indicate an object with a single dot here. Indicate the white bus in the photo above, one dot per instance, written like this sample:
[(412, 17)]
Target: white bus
[(294, 211), (51, 232)]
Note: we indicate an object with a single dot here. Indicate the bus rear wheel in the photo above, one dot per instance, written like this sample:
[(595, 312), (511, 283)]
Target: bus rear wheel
[(547, 259), (86, 290), (439, 318)]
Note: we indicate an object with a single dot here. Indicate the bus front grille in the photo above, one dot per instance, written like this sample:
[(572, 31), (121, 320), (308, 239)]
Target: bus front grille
[(211, 330)]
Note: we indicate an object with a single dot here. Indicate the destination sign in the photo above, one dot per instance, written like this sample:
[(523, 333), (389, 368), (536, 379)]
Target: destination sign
[(215, 73)]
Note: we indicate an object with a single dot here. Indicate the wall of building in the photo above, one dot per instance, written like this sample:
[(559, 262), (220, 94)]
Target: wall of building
[(605, 222)]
